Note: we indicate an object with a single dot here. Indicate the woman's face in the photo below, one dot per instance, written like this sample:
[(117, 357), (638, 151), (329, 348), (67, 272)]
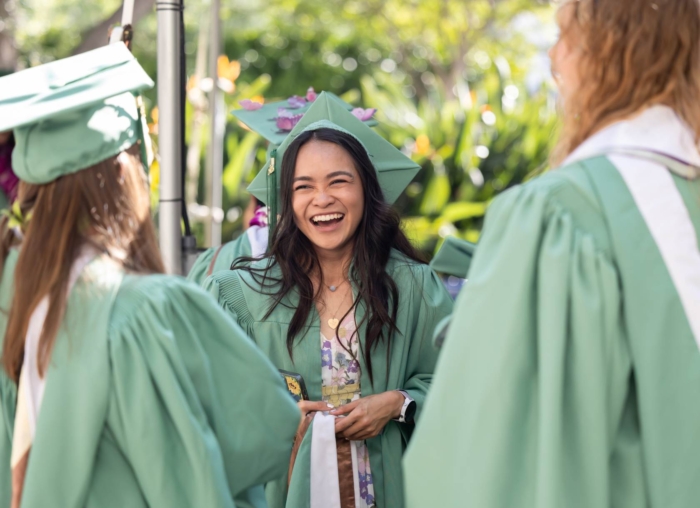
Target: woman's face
[(566, 55), (327, 196)]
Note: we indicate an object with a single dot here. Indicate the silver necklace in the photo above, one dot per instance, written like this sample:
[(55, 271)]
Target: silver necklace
[(333, 288)]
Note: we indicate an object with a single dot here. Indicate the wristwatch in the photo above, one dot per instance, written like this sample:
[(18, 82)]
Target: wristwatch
[(408, 410)]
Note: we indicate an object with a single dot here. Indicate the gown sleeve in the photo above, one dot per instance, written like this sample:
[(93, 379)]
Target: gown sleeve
[(433, 305), (8, 399), (532, 389), (200, 268), (200, 413), (220, 258), (8, 388), (226, 288)]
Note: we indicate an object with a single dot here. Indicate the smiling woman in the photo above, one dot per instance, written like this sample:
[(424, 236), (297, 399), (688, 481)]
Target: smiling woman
[(344, 300), (328, 200)]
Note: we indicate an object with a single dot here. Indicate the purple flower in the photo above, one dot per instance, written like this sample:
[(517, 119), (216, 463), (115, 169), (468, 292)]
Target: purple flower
[(260, 217), (296, 102), (287, 122), (249, 105), (326, 344), (354, 366), (284, 113), (326, 359), (364, 114), (8, 180), (363, 486), (311, 94)]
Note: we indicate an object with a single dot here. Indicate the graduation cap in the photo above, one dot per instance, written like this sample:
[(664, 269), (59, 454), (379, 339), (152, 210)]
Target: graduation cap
[(454, 257), (70, 114), (394, 169), (264, 119)]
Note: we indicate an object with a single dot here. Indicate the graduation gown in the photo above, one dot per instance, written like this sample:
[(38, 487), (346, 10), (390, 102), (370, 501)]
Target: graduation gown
[(8, 389), (253, 242), (571, 372), (154, 397), (423, 302)]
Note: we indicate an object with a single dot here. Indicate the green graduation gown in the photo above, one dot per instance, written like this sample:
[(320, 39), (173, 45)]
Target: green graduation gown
[(154, 397), (423, 302), (571, 372), (8, 389), (253, 242)]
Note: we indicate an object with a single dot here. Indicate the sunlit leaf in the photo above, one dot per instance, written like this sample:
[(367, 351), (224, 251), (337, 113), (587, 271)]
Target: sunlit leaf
[(436, 196), (233, 175)]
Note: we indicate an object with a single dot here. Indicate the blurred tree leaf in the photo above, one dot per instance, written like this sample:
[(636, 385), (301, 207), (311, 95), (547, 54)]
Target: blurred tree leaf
[(451, 80), (242, 156)]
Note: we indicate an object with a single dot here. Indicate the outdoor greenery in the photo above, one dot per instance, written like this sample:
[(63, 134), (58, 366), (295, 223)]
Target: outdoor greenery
[(457, 84)]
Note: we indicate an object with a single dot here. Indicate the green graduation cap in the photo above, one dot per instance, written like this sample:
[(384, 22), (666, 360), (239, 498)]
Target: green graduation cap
[(454, 257), (70, 114), (394, 170), (264, 120)]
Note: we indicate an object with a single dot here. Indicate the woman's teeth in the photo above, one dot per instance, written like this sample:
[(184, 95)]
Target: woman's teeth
[(327, 218)]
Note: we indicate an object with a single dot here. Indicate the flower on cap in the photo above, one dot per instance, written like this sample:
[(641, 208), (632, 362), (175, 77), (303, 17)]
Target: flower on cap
[(287, 121), (311, 94), (249, 105), (296, 102), (260, 217), (364, 114)]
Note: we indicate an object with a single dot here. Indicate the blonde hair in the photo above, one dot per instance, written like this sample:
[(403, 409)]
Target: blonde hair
[(105, 205), (634, 54)]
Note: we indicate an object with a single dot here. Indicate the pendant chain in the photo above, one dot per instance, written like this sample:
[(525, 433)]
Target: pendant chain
[(333, 322), (333, 288)]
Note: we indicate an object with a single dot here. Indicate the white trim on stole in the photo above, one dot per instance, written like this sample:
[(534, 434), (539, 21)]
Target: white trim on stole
[(325, 485), (35, 384), (656, 195), (258, 238)]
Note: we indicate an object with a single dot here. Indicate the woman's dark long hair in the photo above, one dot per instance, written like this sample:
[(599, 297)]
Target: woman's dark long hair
[(378, 233)]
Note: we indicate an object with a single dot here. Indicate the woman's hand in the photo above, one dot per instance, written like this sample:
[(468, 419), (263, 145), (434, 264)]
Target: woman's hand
[(309, 406), (367, 416)]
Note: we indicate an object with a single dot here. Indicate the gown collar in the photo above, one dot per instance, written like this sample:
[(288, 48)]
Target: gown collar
[(657, 128)]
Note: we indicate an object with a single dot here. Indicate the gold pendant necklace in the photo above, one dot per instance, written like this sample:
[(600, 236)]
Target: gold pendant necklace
[(334, 322)]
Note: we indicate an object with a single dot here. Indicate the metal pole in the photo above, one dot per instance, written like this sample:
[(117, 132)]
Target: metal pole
[(169, 133), (127, 12), (217, 119)]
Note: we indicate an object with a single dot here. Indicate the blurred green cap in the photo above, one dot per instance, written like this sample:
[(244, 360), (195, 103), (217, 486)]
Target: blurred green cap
[(264, 120), (70, 114), (394, 169), (454, 257)]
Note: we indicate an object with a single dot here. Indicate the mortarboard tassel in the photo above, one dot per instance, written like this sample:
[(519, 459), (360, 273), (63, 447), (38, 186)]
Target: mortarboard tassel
[(272, 195)]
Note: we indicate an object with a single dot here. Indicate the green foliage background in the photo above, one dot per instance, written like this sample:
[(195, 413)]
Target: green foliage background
[(448, 78)]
